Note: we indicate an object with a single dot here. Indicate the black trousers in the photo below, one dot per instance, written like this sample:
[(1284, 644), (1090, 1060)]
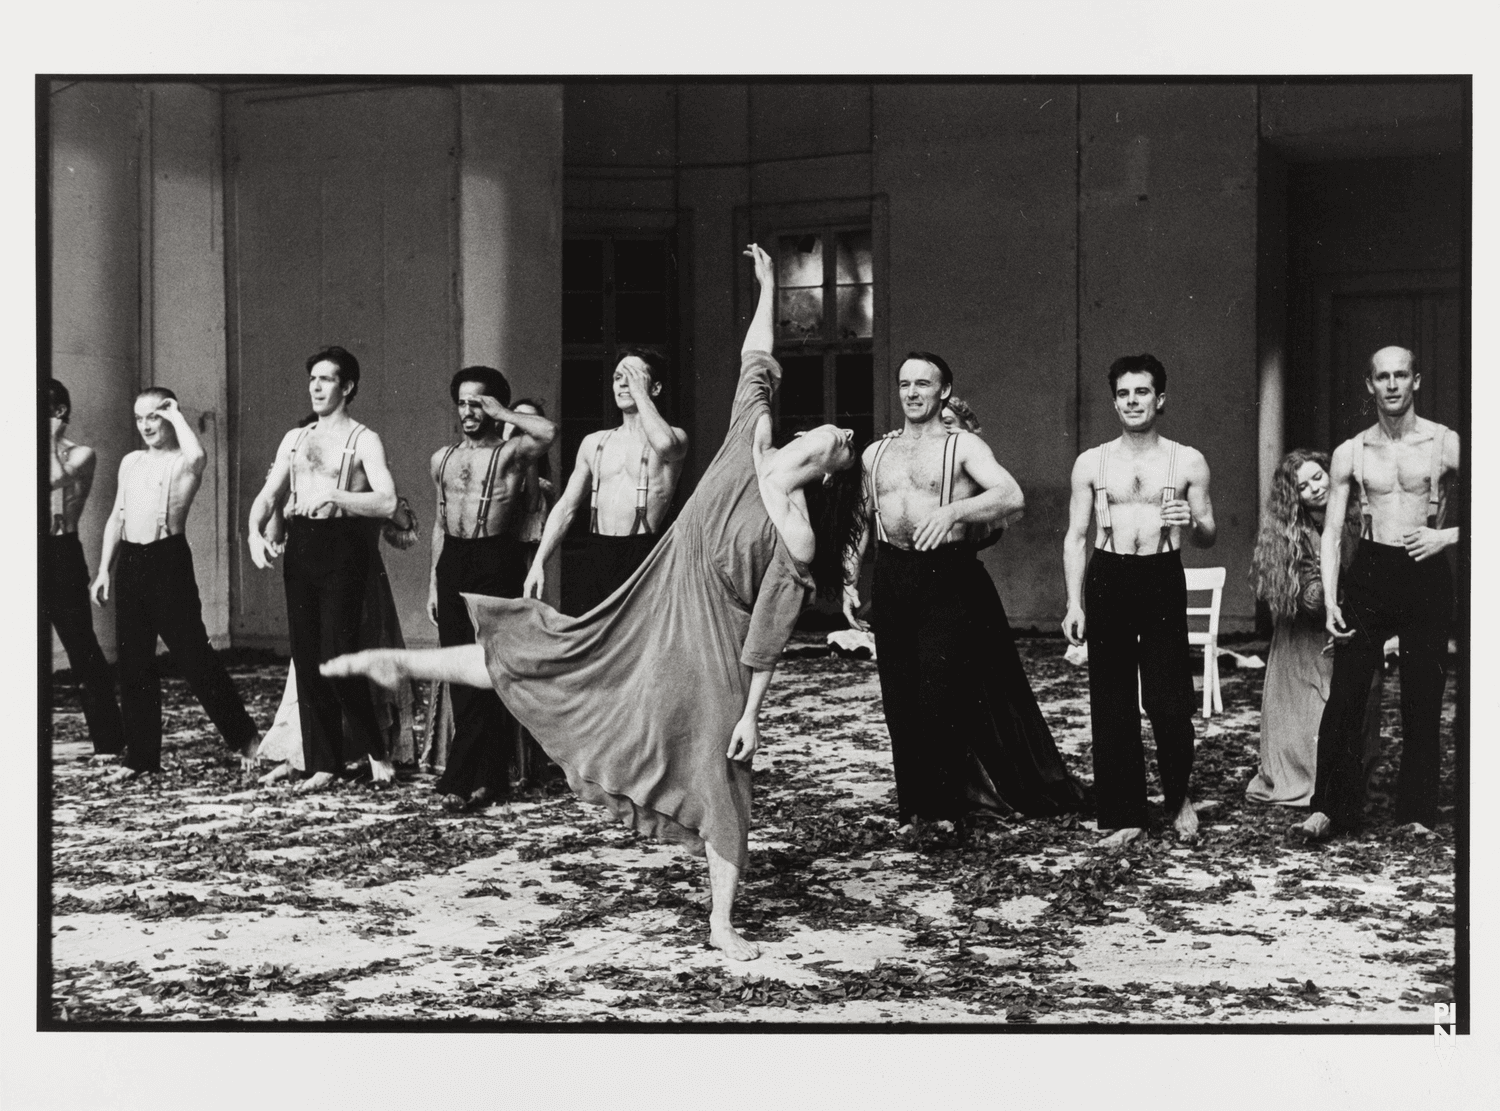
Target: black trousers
[(1137, 625), (325, 570), (1387, 593), (156, 594), (484, 733), (598, 564), (923, 632), (66, 576)]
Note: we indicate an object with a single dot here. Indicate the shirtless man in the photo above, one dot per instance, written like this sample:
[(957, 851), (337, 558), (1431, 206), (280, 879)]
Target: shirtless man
[(1143, 491), (66, 578), (929, 491), (340, 489), (630, 473), (1399, 469), (477, 549), (157, 594)]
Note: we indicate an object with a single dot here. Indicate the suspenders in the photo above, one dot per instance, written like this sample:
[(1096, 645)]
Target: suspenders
[(1101, 498), (1434, 482), (945, 495), (486, 493), (346, 465), (164, 505), (642, 487)]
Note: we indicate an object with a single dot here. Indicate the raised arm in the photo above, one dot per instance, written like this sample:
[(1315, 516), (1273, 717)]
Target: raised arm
[(262, 551), (761, 335), (534, 432), (187, 440), (113, 527), (561, 518), (1340, 485), (1000, 496), (670, 444), (72, 466), (1075, 543)]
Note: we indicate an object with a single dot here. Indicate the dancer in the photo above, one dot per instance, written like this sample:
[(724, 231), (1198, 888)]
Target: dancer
[(338, 488), (1399, 471), (1286, 576), (476, 549), (957, 701), (157, 593), (1144, 491), (65, 578), (650, 701), (630, 472), (537, 491)]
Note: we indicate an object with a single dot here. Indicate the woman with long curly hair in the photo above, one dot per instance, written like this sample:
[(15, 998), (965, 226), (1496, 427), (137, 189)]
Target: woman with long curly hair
[(1285, 575)]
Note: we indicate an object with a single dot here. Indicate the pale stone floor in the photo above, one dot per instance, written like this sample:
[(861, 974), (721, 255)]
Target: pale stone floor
[(190, 899)]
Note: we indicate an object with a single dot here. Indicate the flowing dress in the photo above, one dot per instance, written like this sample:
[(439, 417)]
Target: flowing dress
[(636, 699), (1298, 678)]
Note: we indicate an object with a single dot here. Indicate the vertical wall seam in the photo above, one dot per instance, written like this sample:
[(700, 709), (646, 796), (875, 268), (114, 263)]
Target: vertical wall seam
[(1078, 268)]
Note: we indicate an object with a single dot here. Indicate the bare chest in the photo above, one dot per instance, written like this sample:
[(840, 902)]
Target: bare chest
[(321, 460), (1139, 480), (910, 470), (1402, 467)]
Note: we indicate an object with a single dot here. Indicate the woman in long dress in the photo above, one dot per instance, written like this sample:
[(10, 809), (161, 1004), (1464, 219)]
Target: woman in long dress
[(1285, 573), (650, 701)]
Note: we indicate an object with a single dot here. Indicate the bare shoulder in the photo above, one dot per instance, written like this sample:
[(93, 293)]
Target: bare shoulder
[(1451, 449), (586, 447), (1085, 467), (1193, 462), (129, 460), (1341, 463)]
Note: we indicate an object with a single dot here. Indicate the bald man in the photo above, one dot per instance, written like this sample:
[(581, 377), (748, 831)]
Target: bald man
[(1400, 470)]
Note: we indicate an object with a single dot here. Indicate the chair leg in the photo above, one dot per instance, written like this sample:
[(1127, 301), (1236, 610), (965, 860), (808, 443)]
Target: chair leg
[(1218, 690), (1208, 680)]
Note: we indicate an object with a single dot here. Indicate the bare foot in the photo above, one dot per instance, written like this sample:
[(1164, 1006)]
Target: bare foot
[(319, 781), (1318, 827), (104, 758), (384, 666), (1414, 829), (1120, 838), (280, 772), (382, 772), (453, 804), (1186, 822), (123, 775), (723, 936), (1207, 806)]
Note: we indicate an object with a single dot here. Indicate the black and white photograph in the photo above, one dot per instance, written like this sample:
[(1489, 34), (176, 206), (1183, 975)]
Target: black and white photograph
[(822, 554)]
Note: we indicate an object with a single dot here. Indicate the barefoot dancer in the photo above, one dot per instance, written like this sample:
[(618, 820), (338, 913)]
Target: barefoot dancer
[(477, 549), (630, 473), (1143, 491), (650, 701), (65, 576), (1398, 469), (954, 690), (157, 594), (340, 489)]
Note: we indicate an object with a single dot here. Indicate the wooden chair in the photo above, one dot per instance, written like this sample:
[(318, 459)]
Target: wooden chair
[(1209, 579)]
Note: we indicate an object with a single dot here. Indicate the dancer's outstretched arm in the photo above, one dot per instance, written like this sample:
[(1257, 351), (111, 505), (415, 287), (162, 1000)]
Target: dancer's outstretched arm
[(463, 663)]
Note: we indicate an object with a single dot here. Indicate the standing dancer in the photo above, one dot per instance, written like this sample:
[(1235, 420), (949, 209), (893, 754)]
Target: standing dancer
[(952, 684), (340, 489), (157, 593), (650, 701), (630, 472), (1286, 575), (66, 580), (1143, 491), (477, 549), (1398, 469)]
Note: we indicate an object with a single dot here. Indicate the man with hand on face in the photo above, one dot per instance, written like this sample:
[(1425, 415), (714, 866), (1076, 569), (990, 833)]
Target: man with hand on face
[(1399, 469), (958, 706), (477, 549), (66, 577), (340, 490), (156, 593), (630, 472), (1144, 491)]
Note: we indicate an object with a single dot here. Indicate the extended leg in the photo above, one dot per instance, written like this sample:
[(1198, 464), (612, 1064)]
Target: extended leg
[(1167, 691), (390, 666)]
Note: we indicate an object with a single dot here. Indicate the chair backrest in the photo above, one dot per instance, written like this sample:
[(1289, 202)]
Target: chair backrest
[(1210, 579)]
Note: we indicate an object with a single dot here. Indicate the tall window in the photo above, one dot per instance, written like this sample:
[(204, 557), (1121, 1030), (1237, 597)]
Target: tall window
[(618, 291), (825, 316)]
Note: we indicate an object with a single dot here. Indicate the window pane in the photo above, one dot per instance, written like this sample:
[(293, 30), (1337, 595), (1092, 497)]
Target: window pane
[(856, 311), (640, 264), (583, 264), (800, 396), (799, 261), (582, 390), (855, 260), (854, 396), (582, 317), (641, 317), (799, 314)]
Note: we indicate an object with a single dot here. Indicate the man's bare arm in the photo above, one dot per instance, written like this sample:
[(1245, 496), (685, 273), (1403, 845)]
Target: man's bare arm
[(1075, 543), (113, 527), (380, 499), (437, 533), (560, 519), (265, 503), (1001, 497), (534, 432), (76, 470), (1202, 529), (670, 444), (855, 558), (187, 440), (1330, 548)]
